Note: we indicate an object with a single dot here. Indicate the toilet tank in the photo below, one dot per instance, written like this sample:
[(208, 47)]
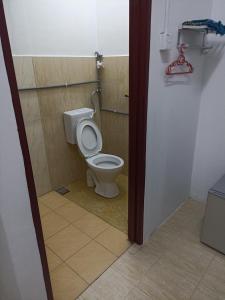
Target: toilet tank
[(72, 118)]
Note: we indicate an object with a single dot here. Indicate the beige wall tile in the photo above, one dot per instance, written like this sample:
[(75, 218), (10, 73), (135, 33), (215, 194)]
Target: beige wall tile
[(115, 136), (30, 106), (52, 102), (55, 102), (36, 145), (78, 97), (80, 69), (49, 71), (32, 119), (65, 162), (24, 71), (61, 70), (115, 83)]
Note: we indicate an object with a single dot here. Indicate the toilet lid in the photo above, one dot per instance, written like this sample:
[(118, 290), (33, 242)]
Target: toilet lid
[(89, 138)]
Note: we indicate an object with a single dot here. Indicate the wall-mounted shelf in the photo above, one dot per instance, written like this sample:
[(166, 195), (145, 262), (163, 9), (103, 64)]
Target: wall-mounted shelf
[(198, 30)]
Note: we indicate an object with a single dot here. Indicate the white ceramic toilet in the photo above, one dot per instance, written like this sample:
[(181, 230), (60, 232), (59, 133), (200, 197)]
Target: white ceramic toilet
[(103, 168)]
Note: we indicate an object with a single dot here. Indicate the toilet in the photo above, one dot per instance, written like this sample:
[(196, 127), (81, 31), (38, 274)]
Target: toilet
[(103, 168)]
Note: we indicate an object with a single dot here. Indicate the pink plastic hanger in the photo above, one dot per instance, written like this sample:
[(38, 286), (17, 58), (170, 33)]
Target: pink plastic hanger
[(181, 61)]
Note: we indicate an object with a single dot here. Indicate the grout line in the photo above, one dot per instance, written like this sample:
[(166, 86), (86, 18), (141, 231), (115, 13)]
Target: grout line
[(86, 232), (202, 276), (136, 285), (91, 238), (76, 272), (45, 239), (63, 261)]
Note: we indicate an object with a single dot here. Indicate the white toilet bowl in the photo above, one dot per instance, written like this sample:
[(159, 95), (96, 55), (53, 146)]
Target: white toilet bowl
[(102, 172), (103, 168)]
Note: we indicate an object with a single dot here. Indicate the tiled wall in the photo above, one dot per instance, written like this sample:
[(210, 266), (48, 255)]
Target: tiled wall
[(65, 162), (54, 161), (33, 124), (115, 84)]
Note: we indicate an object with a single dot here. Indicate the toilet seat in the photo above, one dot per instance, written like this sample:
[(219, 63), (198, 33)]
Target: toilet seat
[(103, 161), (89, 138)]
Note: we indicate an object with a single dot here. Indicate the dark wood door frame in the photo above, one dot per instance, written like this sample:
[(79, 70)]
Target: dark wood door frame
[(140, 20), (140, 23)]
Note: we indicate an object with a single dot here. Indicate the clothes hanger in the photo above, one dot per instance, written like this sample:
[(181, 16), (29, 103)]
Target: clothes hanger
[(181, 61)]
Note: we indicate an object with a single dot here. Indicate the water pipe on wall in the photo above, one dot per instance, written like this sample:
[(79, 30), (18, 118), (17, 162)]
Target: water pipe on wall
[(96, 94)]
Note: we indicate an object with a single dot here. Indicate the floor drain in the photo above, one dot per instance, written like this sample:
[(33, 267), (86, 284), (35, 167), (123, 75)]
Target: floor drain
[(62, 190)]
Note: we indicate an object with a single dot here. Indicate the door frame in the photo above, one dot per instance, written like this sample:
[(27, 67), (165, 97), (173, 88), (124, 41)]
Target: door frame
[(139, 53)]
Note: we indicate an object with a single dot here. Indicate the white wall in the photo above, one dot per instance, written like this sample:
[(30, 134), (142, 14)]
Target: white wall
[(52, 27), (172, 117), (21, 275), (113, 26), (60, 28), (209, 160)]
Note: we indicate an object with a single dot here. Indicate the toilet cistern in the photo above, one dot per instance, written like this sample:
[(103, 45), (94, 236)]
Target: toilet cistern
[(103, 168)]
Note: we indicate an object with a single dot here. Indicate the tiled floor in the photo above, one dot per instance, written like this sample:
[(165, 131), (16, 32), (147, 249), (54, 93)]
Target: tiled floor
[(172, 265), (79, 245), (113, 211)]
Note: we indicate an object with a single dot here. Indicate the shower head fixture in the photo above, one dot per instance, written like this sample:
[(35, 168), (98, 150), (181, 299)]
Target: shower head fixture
[(99, 60), (99, 57)]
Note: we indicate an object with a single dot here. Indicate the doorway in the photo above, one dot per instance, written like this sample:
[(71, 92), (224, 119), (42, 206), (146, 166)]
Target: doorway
[(137, 123)]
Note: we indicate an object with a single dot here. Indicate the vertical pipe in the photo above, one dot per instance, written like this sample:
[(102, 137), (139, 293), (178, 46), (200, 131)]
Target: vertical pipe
[(98, 105)]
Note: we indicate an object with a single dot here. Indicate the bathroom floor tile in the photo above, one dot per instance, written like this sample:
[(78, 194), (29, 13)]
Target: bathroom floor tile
[(166, 280), (212, 285), (134, 266), (67, 242), (44, 210), (52, 223), (173, 265), (91, 261), (53, 260), (112, 285), (217, 267), (89, 294), (136, 294), (71, 212), (91, 225), (114, 240), (53, 200), (66, 284), (112, 211)]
